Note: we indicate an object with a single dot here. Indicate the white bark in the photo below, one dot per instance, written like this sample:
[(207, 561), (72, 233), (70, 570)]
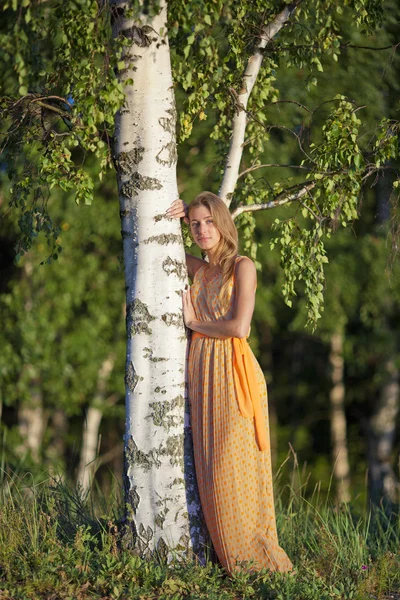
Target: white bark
[(91, 426), (341, 467), (31, 423), (278, 201), (90, 449), (155, 275), (232, 166), (383, 484)]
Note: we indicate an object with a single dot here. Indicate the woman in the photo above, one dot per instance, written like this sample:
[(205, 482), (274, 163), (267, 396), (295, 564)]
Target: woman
[(227, 393)]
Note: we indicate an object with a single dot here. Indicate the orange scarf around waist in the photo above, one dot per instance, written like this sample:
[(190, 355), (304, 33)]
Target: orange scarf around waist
[(247, 388)]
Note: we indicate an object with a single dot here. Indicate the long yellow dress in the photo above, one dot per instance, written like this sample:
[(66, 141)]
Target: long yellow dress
[(233, 475)]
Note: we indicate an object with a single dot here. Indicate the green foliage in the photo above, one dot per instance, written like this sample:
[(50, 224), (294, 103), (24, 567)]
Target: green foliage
[(212, 43), (59, 97), (302, 257), (61, 321)]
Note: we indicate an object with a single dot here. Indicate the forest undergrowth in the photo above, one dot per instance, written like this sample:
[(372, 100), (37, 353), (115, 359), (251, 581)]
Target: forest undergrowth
[(56, 545)]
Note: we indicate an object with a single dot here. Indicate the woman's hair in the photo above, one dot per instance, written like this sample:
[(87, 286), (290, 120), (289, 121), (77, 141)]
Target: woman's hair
[(227, 248)]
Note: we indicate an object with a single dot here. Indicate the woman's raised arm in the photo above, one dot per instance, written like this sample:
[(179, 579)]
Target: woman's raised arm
[(179, 210)]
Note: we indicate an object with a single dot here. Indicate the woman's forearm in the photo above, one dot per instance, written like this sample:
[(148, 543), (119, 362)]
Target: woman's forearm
[(219, 329)]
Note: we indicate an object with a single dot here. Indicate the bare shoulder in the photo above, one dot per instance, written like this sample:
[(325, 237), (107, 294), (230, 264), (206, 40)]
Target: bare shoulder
[(245, 267)]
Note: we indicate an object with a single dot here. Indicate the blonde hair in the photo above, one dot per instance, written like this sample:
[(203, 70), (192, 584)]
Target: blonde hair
[(227, 248)]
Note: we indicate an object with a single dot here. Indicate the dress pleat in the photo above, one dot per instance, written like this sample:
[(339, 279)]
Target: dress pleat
[(233, 475)]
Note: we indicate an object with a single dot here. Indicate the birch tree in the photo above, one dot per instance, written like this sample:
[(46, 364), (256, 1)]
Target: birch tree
[(226, 57)]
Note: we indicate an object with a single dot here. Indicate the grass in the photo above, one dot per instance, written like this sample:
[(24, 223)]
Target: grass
[(55, 546)]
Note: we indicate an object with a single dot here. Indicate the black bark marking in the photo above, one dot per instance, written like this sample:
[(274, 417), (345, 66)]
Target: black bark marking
[(175, 266), (148, 353), (164, 239), (159, 520), (138, 318), (161, 410), (131, 377), (173, 319), (125, 162), (138, 183), (169, 123), (140, 35), (146, 534), (139, 458), (168, 154), (174, 449)]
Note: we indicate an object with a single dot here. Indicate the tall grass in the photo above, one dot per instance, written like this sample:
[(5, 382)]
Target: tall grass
[(56, 545)]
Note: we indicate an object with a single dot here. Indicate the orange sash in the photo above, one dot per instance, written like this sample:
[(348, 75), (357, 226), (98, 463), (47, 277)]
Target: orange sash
[(247, 388)]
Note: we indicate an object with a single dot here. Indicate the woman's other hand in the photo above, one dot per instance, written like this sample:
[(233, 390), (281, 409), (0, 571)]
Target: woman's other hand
[(178, 210), (188, 310)]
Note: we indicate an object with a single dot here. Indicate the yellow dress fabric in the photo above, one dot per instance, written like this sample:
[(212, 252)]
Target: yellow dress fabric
[(233, 475)]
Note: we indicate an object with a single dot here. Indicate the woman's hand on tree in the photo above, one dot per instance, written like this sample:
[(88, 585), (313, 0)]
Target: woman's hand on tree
[(178, 210), (188, 310)]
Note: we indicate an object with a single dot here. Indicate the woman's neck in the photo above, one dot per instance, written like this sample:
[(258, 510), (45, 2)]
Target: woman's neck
[(212, 258)]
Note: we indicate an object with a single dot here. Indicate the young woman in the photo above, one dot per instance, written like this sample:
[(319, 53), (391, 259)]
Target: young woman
[(227, 394)]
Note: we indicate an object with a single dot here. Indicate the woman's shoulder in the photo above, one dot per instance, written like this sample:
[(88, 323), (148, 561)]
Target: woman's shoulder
[(245, 272), (244, 264)]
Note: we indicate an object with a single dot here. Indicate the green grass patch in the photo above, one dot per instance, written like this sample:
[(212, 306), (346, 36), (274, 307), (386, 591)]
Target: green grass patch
[(54, 545)]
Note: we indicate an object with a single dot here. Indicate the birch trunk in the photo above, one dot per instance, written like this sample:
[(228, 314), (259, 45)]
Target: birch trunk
[(89, 451), (155, 275), (340, 458), (239, 122), (91, 426), (31, 423), (383, 484)]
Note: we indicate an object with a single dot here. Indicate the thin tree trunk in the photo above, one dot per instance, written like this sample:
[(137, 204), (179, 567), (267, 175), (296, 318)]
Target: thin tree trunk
[(31, 422), (91, 426), (383, 484), (340, 458), (234, 157), (90, 449), (155, 276)]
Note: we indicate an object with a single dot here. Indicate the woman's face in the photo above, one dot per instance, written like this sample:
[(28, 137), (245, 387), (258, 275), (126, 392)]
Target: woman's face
[(204, 232)]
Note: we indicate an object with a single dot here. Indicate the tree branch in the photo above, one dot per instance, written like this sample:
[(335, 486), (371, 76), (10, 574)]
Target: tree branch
[(342, 46), (239, 121), (255, 167), (280, 200)]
